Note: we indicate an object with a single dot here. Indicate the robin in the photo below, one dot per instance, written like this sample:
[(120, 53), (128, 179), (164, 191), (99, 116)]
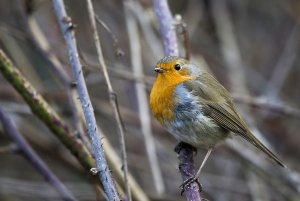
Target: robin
[(196, 109)]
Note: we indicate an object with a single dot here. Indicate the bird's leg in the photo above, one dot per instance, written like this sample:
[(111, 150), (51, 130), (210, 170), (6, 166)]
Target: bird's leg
[(203, 163), (195, 178)]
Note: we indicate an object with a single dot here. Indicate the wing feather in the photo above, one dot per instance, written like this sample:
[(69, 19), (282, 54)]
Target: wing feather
[(218, 104)]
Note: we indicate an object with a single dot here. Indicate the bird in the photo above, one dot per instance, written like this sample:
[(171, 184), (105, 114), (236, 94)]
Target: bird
[(196, 109)]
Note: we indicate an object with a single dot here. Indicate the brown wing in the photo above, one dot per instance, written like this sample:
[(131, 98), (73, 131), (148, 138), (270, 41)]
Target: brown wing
[(223, 116), (218, 104)]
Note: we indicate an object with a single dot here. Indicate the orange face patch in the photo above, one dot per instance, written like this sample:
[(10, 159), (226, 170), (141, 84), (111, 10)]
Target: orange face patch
[(162, 94), (167, 66)]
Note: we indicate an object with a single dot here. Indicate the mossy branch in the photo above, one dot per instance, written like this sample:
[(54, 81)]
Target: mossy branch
[(42, 110), (63, 132)]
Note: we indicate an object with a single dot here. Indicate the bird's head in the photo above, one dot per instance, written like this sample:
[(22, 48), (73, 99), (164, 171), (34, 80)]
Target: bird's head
[(176, 67), (172, 65)]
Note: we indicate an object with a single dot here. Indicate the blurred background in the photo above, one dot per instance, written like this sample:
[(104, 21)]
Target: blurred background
[(252, 47)]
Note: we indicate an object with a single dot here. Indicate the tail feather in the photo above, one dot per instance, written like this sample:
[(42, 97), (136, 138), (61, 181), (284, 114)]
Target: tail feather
[(253, 140)]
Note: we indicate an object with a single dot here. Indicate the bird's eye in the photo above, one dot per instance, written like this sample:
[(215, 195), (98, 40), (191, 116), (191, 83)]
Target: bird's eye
[(177, 67)]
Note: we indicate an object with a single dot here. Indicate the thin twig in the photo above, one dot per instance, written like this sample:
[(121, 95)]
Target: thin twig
[(171, 48), (33, 158), (116, 72), (112, 97), (118, 51), (265, 104), (95, 134), (144, 114), (63, 132), (42, 109), (42, 46), (38, 40)]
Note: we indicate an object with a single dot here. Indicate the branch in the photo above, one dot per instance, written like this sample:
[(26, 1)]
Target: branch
[(33, 158), (118, 51), (44, 112), (144, 115), (112, 97), (165, 20), (95, 134), (265, 104), (42, 46), (171, 48), (187, 168)]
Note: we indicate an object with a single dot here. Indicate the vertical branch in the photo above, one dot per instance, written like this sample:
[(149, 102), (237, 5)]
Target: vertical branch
[(95, 135), (112, 97), (171, 48), (187, 168), (168, 34), (135, 50), (33, 158)]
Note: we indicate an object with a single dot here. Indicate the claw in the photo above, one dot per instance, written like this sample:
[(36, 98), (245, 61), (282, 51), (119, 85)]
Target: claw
[(94, 171), (188, 182)]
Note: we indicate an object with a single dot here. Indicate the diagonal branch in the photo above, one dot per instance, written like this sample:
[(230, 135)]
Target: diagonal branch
[(112, 97), (33, 158), (43, 110), (95, 134), (60, 129)]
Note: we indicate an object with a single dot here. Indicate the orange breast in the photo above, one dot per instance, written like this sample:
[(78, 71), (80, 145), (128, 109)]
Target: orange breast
[(162, 100)]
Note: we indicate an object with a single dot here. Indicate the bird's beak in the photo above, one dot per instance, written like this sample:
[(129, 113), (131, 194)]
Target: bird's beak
[(159, 70)]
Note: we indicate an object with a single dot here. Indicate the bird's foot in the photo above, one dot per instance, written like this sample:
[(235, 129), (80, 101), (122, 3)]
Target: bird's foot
[(187, 183)]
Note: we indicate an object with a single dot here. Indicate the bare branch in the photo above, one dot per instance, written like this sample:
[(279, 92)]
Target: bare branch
[(144, 115), (52, 120), (187, 168), (165, 20), (95, 135), (33, 158), (171, 48), (118, 51), (265, 104), (112, 97)]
